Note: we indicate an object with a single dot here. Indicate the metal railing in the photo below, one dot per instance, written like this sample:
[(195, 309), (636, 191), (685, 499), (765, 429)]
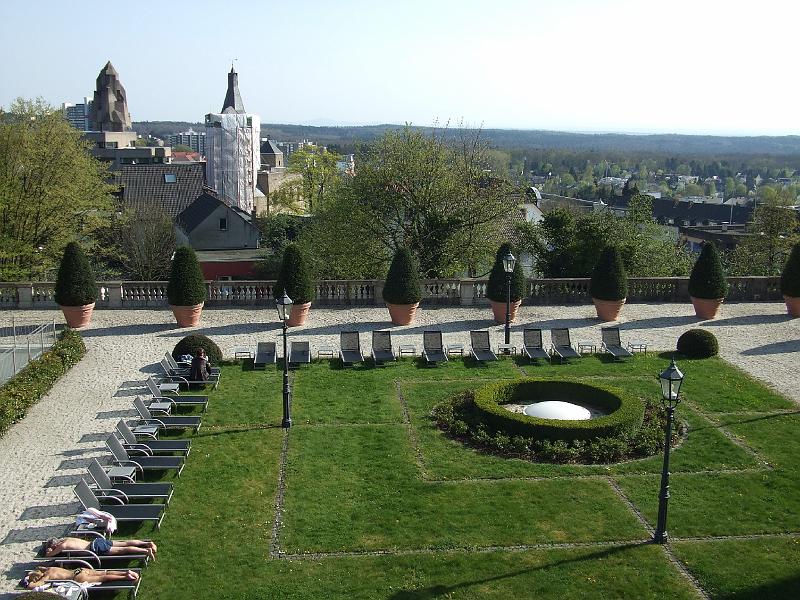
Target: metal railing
[(22, 343)]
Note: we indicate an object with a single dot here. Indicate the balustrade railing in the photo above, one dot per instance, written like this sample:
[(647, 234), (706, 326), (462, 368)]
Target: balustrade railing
[(366, 292)]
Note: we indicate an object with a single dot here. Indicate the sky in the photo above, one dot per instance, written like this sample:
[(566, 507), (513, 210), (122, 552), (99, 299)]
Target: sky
[(646, 66)]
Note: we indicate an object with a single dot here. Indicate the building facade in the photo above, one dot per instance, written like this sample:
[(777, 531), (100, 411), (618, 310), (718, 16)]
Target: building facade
[(194, 140), (78, 114)]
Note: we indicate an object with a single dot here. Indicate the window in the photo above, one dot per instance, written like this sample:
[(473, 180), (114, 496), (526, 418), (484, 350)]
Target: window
[(170, 178), (223, 224)]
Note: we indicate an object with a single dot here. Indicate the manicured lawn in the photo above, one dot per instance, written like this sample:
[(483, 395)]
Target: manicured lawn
[(377, 503)]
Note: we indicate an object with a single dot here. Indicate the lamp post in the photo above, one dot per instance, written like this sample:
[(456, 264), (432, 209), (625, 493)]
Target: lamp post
[(508, 266), (671, 379), (284, 306)]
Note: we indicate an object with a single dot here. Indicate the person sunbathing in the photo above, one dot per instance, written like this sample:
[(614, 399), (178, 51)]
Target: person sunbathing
[(41, 575), (100, 546)]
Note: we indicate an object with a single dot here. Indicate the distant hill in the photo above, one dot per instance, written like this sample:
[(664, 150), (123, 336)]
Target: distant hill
[(518, 139)]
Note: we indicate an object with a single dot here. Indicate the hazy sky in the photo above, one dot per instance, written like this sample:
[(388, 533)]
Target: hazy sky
[(699, 66)]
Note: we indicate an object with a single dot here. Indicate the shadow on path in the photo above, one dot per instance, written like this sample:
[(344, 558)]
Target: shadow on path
[(53, 510), (749, 320), (774, 348), (35, 534), (659, 322), (139, 329)]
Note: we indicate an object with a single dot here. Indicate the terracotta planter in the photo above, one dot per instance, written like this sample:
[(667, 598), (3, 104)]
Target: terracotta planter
[(792, 305), (706, 308), (608, 310), (187, 316), (402, 314), (299, 314), (78, 316), (499, 310)]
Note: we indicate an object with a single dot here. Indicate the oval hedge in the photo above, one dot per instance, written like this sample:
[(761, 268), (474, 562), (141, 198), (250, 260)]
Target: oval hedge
[(625, 411)]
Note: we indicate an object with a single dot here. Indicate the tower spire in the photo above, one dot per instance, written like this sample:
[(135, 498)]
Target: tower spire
[(233, 99)]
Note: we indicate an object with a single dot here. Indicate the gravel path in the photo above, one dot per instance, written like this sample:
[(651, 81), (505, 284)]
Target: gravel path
[(42, 457)]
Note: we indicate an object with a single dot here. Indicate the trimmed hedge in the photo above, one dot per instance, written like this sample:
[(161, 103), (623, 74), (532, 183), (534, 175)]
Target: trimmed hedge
[(402, 281), (625, 412), (190, 344), (497, 288), (609, 281), (186, 286), (37, 378), (790, 278), (698, 343), (707, 279), (75, 284), (294, 277)]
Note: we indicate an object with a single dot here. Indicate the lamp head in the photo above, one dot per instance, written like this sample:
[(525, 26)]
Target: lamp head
[(509, 262), (284, 306), (671, 380)]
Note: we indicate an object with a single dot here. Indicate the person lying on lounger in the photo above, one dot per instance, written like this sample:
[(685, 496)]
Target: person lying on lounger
[(41, 575), (99, 546)]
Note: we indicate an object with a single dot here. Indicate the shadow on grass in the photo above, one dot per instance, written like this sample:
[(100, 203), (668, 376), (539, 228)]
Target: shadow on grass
[(783, 589), (436, 591), (234, 430)]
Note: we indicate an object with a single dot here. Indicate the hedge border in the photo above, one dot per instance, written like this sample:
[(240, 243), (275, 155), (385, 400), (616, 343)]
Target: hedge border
[(625, 418), (28, 386)]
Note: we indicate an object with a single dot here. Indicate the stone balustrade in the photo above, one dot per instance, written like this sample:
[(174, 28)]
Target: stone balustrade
[(365, 292)]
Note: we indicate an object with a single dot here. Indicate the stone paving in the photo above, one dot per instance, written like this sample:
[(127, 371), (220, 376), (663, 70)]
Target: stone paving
[(42, 457)]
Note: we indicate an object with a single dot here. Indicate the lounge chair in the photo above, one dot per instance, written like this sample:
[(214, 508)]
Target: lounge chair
[(179, 399), (168, 377), (561, 345), (350, 352), (433, 351), (130, 441), (123, 513), (612, 344), (382, 347), (299, 353), (87, 557), (480, 347), (532, 345), (265, 355), (143, 460), (165, 422), (165, 404), (159, 492), (72, 589), (183, 366)]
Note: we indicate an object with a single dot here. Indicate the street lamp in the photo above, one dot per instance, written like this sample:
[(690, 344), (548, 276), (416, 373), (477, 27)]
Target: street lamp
[(671, 379), (508, 266), (284, 306)]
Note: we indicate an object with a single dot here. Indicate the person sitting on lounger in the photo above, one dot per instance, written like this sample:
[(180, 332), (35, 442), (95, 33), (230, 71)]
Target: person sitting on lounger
[(201, 369), (41, 575), (99, 546)]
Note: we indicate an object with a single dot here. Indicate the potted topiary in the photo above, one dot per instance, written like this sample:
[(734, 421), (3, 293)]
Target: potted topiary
[(609, 284), (186, 290), (401, 290), (707, 285), (497, 289), (76, 290), (295, 278), (790, 282)]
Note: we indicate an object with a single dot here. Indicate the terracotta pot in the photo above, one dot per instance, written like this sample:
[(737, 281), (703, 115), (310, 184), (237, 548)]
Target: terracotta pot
[(78, 316), (792, 305), (499, 310), (402, 314), (299, 314), (608, 310), (187, 316), (706, 308)]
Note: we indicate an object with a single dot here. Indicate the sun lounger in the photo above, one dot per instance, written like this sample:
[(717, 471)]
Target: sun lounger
[(561, 345), (265, 355), (123, 513), (433, 351), (158, 492), (382, 347), (178, 399), (611, 343), (143, 460), (350, 343), (213, 380), (175, 366), (299, 353), (129, 441), (165, 422), (72, 589), (532, 345), (479, 346), (91, 559)]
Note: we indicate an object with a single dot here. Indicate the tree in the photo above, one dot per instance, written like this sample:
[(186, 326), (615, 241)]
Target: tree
[(181, 148), (142, 243), (771, 235), (51, 190), (318, 167)]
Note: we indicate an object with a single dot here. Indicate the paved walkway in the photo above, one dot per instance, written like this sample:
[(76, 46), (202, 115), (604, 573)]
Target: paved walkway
[(42, 457)]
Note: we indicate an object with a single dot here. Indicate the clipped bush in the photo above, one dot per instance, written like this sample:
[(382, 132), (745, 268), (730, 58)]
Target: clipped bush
[(698, 343), (790, 278), (186, 285), (708, 279), (497, 288), (609, 281), (190, 344), (295, 276), (402, 281), (75, 285), (37, 378)]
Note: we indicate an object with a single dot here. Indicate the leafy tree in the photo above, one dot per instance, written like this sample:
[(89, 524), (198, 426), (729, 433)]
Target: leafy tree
[(771, 235), (402, 281), (497, 287), (318, 167), (288, 198), (75, 285), (277, 232), (51, 189), (186, 285)]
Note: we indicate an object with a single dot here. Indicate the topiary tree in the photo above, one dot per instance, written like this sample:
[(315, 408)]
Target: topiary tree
[(790, 278), (75, 285), (698, 343), (402, 281), (609, 281), (186, 286), (191, 343), (295, 276), (496, 289), (707, 279)]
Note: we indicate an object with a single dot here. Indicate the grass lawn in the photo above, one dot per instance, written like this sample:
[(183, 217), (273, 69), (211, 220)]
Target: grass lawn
[(372, 501)]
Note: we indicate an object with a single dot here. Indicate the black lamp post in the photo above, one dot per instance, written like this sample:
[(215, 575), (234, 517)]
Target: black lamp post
[(508, 266), (671, 379), (284, 306)]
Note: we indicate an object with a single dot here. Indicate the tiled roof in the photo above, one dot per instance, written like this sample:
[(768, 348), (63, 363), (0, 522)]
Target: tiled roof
[(146, 187), (269, 147), (198, 211)]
